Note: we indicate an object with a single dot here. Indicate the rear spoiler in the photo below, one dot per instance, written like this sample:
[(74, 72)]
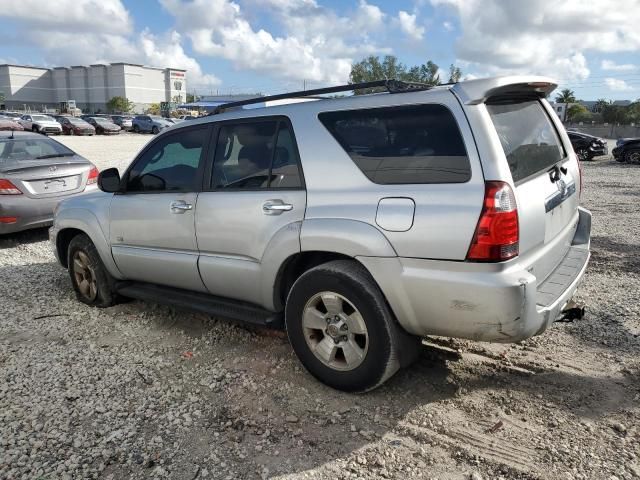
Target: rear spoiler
[(473, 92)]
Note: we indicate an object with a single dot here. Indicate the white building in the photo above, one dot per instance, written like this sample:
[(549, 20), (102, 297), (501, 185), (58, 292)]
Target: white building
[(26, 87)]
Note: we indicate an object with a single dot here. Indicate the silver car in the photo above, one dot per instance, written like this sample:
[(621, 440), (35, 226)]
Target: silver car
[(40, 123), (36, 172), (359, 224)]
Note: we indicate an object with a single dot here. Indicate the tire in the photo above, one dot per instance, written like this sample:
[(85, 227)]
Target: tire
[(34, 129), (584, 155), (632, 156), (383, 348), (155, 130), (102, 293), (136, 129)]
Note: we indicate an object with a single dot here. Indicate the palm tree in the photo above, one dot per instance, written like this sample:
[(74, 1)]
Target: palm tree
[(566, 96), (600, 105)]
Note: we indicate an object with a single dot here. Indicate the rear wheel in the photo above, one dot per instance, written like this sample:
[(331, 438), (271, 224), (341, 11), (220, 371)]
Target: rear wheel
[(632, 156), (91, 281), (342, 329), (136, 129)]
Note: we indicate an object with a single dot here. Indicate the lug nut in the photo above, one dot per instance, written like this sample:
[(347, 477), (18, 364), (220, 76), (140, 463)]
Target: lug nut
[(344, 338), (344, 327), (336, 340)]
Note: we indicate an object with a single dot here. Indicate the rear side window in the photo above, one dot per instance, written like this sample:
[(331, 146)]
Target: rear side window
[(402, 145), (528, 138)]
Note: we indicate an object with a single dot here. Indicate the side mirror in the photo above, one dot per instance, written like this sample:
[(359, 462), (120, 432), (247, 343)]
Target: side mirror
[(109, 180)]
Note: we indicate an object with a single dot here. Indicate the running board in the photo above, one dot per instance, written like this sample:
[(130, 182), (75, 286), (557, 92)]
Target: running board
[(201, 302)]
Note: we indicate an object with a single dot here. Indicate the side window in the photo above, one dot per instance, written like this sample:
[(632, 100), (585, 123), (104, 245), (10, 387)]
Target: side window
[(170, 164), (285, 171), (402, 145), (256, 155), (243, 155)]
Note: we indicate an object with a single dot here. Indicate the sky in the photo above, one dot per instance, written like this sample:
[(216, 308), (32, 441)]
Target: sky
[(274, 46)]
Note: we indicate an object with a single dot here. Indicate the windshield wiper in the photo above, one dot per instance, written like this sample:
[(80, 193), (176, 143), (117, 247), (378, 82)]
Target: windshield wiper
[(54, 155)]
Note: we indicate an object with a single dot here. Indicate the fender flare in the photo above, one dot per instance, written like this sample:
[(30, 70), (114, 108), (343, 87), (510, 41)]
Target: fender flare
[(352, 238), (86, 221)]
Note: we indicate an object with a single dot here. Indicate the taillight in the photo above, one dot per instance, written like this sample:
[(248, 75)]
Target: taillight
[(497, 233), (8, 220), (93, 176), (8, 188)]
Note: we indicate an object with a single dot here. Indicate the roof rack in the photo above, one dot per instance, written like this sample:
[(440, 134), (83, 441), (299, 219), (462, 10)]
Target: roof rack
[(392, 86)]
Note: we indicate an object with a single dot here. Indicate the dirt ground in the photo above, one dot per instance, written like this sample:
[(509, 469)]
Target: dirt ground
[(143, 391)]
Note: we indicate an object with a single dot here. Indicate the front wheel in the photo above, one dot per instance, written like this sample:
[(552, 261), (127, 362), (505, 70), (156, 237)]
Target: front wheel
[(584, 155), (155, 130), (136, 129), (90, 279), (342, 329)]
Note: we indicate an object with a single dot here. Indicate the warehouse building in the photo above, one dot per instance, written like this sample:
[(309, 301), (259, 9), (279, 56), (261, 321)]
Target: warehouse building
[(32, 88)]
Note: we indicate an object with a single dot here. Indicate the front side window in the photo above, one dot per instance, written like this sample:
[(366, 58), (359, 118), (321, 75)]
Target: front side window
[(529, 140), (414, 144), (256, 155), (170, 164)]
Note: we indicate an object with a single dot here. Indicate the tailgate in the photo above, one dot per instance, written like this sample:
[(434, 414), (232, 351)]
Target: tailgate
[(546, 176)]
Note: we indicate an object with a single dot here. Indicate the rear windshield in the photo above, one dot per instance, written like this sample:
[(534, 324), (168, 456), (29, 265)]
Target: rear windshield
[(401, 145), (528, 137), (20, 148)]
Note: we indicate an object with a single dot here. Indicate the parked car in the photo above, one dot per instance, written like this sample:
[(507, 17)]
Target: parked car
[(36, 172), (6, 124), (627, 150), (587, 146), (15, 116), (448, 211), (76, 126), (150, 123), (103, 126), (40, 123), (124, 122)]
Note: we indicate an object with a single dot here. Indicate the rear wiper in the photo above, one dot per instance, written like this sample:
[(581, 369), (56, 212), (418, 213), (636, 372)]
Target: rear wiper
[(54, 155)]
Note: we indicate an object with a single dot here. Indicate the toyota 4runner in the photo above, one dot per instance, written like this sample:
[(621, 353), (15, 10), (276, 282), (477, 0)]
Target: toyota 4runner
[(359, 224)]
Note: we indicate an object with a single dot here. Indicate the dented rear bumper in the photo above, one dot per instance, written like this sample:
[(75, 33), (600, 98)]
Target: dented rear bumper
[(487, 302)]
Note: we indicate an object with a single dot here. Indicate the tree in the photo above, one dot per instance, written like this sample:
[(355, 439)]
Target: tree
[(154, 109), (372, 68), (600, 105), (119, 105), (578, 113), (566, 96), (454, 74)]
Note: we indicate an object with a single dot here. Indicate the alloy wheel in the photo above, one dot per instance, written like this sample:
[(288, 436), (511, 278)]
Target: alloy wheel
[(84, 275), (335, 331)]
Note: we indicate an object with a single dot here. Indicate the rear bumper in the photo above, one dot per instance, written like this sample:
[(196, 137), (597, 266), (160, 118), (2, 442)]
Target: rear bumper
[(480, 301), (31, 212)]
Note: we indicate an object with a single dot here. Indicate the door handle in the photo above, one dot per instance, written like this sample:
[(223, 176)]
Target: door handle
[(180, 206), (276, 207)]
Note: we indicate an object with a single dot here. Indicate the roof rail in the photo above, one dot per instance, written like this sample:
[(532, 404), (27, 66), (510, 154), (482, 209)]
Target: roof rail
[(392, 86)]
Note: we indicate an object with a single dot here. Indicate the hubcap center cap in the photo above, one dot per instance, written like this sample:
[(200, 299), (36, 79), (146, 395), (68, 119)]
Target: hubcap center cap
[(333, 330)]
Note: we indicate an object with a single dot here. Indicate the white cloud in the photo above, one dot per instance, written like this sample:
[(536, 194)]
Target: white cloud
[(540, 36), (448, 26), (105, 36), (317, 44), (408, 25), (617, 85), (106, 16), (616, 67)]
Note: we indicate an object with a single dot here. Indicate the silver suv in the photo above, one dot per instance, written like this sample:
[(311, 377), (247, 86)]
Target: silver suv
[(359, 224)]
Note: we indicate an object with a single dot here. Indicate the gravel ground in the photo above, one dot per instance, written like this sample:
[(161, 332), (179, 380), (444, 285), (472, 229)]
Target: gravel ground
[(143, 391)]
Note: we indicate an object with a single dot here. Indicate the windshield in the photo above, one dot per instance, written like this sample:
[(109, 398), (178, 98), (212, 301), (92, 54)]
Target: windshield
[(101, 120), (528, 138), (25, 149), (42, 118), (77, 121)]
